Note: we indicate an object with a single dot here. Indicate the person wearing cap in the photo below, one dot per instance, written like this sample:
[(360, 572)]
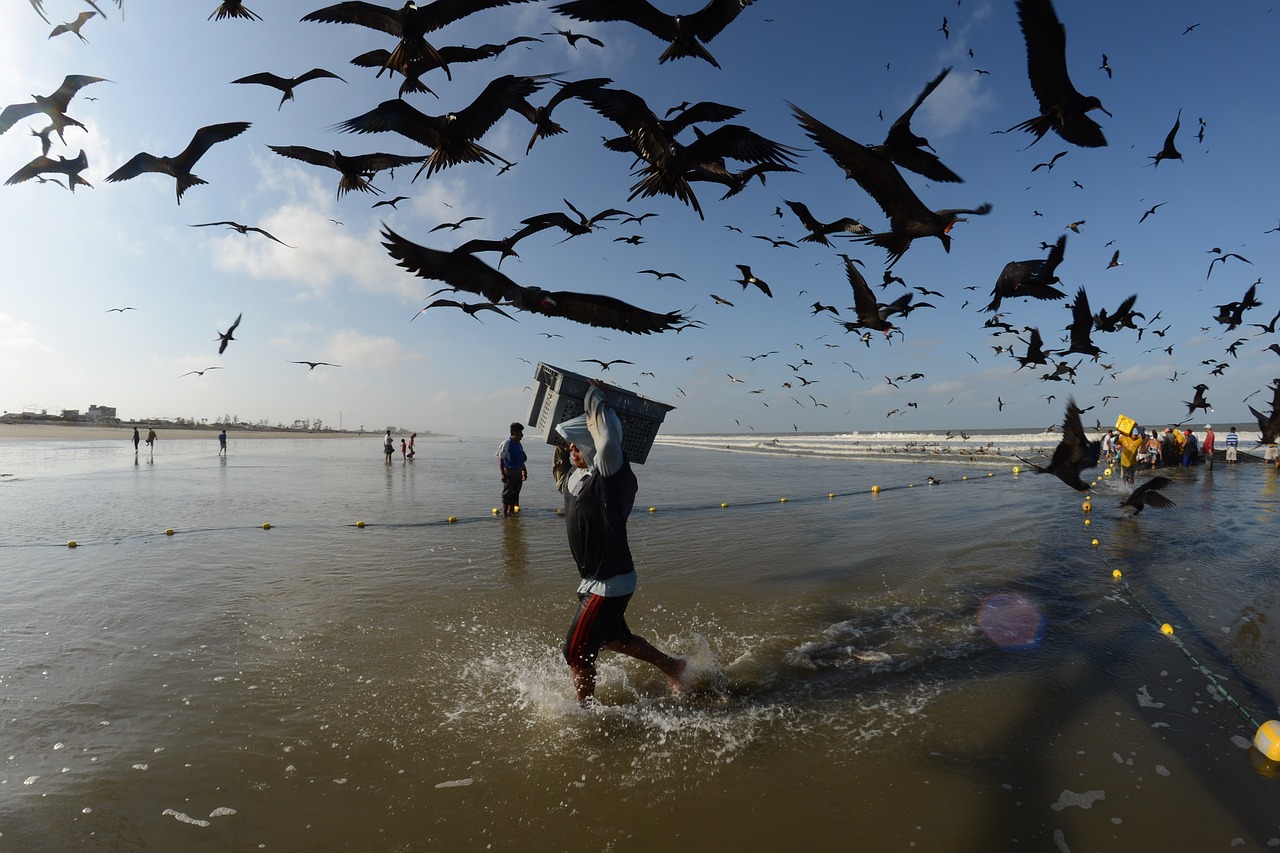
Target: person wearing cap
[(1206, 446), (511, 467), (599, 490)]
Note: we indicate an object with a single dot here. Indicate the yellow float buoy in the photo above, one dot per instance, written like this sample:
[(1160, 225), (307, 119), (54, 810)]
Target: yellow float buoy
[(965, 477), (875, 490), (1086, 506), (1017, 469), (1086, 522), (266, 525), (1107, 472), (1166, 629), (494, 511), (991, 474), (452, 519), (71, 543), (1115, 573), (516, 508), (1094, 543), (559, 510), (653, 509), (1267, 740), (722, 506), (359, 524), (168, 531), (782, 500), (831, 494)]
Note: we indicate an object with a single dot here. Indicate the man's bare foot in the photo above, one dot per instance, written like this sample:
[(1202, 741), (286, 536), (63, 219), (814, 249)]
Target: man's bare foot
[(675, 675)]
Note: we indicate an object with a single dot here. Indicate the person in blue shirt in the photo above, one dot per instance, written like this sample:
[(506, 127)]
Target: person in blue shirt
[(511, 465), (599, 490)]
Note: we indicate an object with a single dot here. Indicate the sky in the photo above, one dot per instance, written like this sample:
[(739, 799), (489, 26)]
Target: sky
[(338, 297)]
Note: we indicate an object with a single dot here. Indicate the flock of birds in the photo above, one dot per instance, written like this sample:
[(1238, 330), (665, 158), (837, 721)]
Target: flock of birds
[(674, 152)]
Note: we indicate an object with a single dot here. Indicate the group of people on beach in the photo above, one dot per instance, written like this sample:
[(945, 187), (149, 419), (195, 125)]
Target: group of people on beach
[(407, 450), (1174, 447)]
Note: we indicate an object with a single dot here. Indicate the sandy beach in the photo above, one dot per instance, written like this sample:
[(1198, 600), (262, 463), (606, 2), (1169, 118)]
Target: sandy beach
[(69, 432)]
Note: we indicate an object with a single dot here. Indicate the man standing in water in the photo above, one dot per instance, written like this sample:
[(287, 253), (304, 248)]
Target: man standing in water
[(599, 490), (136, 438), (511, 468)]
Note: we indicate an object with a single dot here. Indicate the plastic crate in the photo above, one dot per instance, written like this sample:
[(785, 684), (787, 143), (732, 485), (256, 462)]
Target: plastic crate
[(559, 397)]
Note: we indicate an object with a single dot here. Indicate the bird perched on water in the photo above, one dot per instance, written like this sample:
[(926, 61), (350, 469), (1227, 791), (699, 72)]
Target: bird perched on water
[(1169, 152), (686, 33), (227, 336), (749, 278), (452, 135), (1199, 402), (180, 167), (466, 272), (356, 169), (909, 219), (905, 148), (818, 231), (1033, 279), (233, 9), (1062, 108), (244, 229), (1148, 494), (73, 26), (1073, 454), (410, 24), (43, 165), (286, 84), (54, 105)]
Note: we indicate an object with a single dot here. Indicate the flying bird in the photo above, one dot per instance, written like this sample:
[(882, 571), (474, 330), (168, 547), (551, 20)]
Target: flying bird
[(818, 231), (392, 202), (749, 278), (1199, 402), (244, 229), (604, 365), (1081, 328), (1223, 259), (43, 165), (54, 105), (312, 365), (909, 219), (227, 336), (73, 26), (1150, 211), (686, 33), (286, 84), (1062, 109), (1052, 160), (1148, 494), (1073, 454), (573, 38), (122, 310), (1269, 425), (466, 272), (659, 276), (905, 148), (1105, 66), (1169, 152), (1115, 260), (356, 169), (871, 314), (233, 9), (1033, 279), (180, 167), (199, 372)]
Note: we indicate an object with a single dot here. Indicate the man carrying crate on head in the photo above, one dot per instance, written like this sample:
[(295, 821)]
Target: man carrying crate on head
[(599, 490)]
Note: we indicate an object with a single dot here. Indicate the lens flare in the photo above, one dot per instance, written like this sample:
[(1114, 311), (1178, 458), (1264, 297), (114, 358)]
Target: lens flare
[(1011, 621)]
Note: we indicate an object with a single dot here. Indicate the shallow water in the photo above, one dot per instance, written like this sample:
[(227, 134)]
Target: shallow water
[(931, 667)]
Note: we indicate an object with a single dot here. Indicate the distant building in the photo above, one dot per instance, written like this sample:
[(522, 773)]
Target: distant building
[(71, 414), (102, 414)]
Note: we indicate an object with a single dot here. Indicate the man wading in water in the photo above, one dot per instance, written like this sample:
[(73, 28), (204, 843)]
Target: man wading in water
[(599, 490)]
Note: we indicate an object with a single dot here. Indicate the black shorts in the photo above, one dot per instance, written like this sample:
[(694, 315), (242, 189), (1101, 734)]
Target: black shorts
[(511, 488), (599, 622)]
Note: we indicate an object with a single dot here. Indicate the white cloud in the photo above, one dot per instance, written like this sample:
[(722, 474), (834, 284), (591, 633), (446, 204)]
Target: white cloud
[(354, 350), (20, 337)]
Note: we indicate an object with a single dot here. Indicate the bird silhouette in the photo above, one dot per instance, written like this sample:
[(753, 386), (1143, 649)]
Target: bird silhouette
[(540, 117), (1150, 211), (73, 26), (356, 169), (818, 231), (43, 165), (414, 70), (244, 229), (1121, 318), (391, 202), (1148, 494), (749, 278), (573, 227), (180, 167), (54, 105), (286, 84), (1062, 109), (1033, 279), (227, 336), (1169, 152), (1049, 165), (905, 148), (659, 276), (573, 38), (909, 219), (1081, 328), (452, 136), (122, 310), (1115, 260), (604, 365), (1231, 314), (466, 272), (454, 226), (1036, 353), (1223, 260), (312, 365), (871, 314), (1073, 454), (233, 9), (199, 372), (1269, 425), (473, 309), (1199, 402), (1105, 66), (686, 33)]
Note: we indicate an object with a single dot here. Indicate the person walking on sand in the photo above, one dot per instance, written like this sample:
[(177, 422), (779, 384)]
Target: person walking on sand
[(388, 447), (1233, 446), (151, 439), (511, 467), (1206, 446), (136, 439), (222, 443), (599, 490)]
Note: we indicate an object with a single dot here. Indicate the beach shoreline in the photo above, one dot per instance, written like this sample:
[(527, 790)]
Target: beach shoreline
[(73, 432)]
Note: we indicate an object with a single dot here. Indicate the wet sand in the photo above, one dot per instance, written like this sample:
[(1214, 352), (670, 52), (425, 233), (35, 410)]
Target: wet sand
[(70, 432)]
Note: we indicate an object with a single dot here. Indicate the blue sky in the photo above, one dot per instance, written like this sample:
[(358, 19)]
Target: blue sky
[(338, 297)]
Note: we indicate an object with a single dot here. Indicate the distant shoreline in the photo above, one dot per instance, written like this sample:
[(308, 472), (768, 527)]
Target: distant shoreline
[(96, 432)]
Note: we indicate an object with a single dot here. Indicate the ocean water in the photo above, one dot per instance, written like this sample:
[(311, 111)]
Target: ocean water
[(937, 667)]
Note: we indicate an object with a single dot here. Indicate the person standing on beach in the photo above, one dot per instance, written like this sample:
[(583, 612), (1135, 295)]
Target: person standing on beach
[(1129, 445), (1190, 449), (136, 439), (1206, 446), (599, 490), (222, 443), (404, 451), (412, 436), (151, 439), (1233, 445), (511, 467), (1153, 449), (388, 447)]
